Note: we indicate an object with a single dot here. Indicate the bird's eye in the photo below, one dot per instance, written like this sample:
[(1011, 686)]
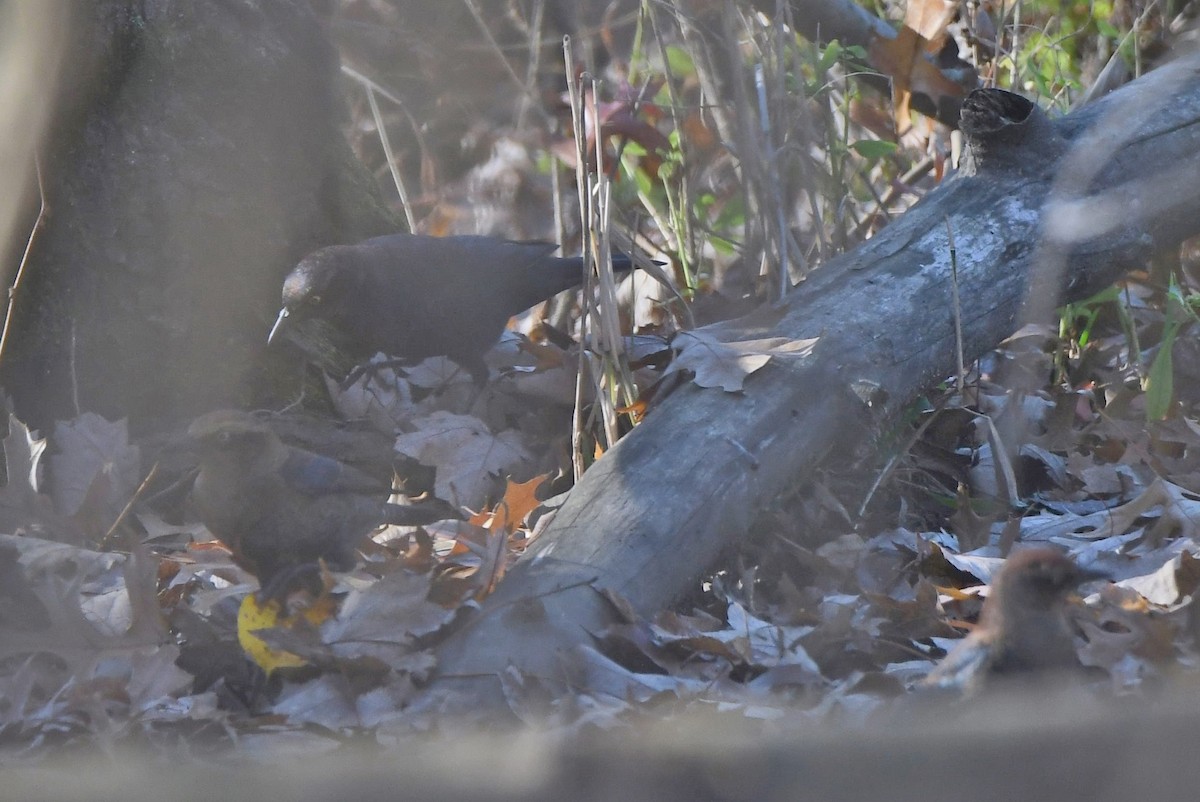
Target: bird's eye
[(224, 437), (313, 300)]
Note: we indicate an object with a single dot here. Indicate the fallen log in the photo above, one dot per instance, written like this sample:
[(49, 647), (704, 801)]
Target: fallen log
[(1042, 212), (1032, 744)]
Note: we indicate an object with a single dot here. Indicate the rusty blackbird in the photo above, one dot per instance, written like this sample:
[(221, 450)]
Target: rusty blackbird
[(280, 509), (1023, 627), (413, 296)]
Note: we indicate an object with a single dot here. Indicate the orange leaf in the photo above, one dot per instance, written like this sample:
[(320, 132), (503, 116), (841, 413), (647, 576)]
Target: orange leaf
[(520, 499), (636, 410), (697, 134), (929, 19), (895, 57), (903, 58)]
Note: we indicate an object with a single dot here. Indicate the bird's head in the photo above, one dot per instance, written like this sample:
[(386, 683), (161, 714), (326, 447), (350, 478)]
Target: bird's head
[(231, 434), (1039, 579), (308, 286)]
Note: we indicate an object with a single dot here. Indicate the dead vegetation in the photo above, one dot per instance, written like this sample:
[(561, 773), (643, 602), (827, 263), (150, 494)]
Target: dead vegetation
[(746, 158)]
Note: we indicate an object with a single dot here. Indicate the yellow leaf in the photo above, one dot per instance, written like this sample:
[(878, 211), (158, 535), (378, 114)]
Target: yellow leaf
[(253, 616)]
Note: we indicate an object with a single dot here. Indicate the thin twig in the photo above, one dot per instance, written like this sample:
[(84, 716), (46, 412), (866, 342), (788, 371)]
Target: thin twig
[(535, 64), (684, 241), (581, 182), (960, 378), (129, 505), (891, 464), (534, 103), (33, 232), (370, 85), (593, 214), (379, 88), (897, 188), (772, 179), (391, 159), (72, 370)]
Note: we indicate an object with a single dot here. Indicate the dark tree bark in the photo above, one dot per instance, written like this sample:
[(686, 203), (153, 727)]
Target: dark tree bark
[(1043, 212), (194, 159)]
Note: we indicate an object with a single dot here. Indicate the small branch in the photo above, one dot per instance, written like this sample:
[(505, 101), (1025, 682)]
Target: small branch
[(535, 64), (374, 88), (391, 159), (129, 506), (581, 178), (33, 232), (530, 99), (958, 330)]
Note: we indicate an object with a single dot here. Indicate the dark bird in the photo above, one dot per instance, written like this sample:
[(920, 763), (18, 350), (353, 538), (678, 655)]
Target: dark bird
[(1023, 627), (412, 296), (280, 509)]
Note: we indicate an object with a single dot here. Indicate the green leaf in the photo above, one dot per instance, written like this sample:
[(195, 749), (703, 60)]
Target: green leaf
[(680, 62), (829, 57), (645, 183), (873, 148), (1160, 382), (631, 148)]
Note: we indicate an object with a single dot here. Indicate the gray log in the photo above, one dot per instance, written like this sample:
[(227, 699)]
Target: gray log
[(1032, 745), (1049, 210)]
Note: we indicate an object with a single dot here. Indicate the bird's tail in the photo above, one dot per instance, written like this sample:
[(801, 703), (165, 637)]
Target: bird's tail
[(419, 513), (569, 271)]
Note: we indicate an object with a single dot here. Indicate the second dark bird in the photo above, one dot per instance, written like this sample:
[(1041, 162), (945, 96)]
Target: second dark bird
[(280, 509), (1023, 628), (413, 296)]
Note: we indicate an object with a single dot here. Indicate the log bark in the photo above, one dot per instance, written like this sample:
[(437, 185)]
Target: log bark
[(1031, 745), (1043, 212)]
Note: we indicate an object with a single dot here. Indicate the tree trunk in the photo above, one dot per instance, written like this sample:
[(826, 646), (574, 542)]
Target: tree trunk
[(194, 158)]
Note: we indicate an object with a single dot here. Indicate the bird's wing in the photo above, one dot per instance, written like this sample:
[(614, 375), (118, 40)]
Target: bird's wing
[(315, 475), (963, 667), (309, 473)]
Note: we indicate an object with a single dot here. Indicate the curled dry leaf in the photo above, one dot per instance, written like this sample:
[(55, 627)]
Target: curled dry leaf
[(727, 363), (23, 508)]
